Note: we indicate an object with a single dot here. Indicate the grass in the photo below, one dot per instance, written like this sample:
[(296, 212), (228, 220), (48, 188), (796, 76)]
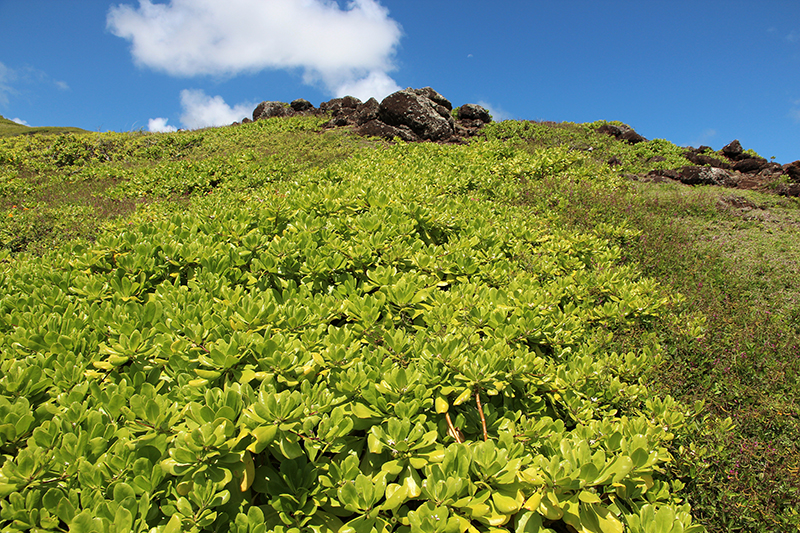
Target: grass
[(9, 128), (738, 268), (733, 255)]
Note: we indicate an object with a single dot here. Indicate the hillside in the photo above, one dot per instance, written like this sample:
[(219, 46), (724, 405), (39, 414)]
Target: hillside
[(286, 325), (9, 128)]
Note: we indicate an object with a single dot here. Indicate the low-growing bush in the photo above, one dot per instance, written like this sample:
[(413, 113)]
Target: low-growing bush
[(383, 344)]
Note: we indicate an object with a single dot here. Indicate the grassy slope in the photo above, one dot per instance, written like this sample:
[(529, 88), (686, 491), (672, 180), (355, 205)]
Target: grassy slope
[(9, 128), (737, 267)]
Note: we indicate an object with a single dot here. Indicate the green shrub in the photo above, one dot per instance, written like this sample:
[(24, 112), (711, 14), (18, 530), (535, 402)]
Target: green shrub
[(387, 343)]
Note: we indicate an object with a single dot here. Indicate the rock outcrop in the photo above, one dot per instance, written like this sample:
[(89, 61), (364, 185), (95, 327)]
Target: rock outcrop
[(411, 115), (735, 168), (424, 111), (792, 170), (621, 133), (271, 109)]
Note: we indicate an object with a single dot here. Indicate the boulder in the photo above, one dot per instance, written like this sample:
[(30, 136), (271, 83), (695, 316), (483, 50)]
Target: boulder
[(699, 158), (621, 133), (733, 150), (433, 96), (301, 105), (751, 165), (427, 118), (337, 106), (793, 171), (789, 189), (270, 109), (377, 128), (697, 175), (341, 110), (662, 176), (630, 136), (366, 112), (474, 112), (771, 172)]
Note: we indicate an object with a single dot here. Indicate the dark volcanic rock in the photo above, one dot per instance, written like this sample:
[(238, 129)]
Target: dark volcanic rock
[(411, 114), (621, 133), (733, 150), (376, 128), (751, 165), (695, 175), (789, 189), (474, 112), (341, 110), (631, 136), (793, 171), (300, 105), (662, 176), (270, 109), (366, 112), (423, 115), (699, 158), (340, 105), (433, 96)]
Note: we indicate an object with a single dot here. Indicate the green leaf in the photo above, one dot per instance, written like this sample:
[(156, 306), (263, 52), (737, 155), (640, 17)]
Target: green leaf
[(83, 523), (174, 525), (441, 405), (123, 519), (465, 395), (348, 496), (123, 491), (290, 447), (588, 497), (505, 504), (528, 522), (665, 519), (362, 411), (65, 510), (396, 495), (550, 508), (608, 523), (264, 436)]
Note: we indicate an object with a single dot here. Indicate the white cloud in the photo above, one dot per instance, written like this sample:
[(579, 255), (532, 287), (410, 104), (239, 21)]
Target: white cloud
[(20, 121), (794, 112), (704, 138), (159, 125), (377, 84), (202, 111), (498, 114), (6, 77), (340, 48), (23, 76)]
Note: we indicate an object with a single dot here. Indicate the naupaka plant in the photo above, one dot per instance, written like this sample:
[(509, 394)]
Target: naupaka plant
[(372, 347)]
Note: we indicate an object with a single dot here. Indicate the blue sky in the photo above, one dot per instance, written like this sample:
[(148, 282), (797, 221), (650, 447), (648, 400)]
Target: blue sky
[(693, 72)]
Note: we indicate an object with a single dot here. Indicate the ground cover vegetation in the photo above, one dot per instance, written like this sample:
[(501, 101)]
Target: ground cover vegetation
[(9, 128), (272, 327)]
